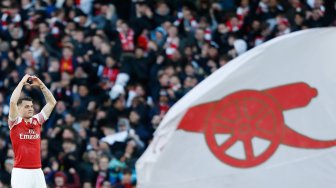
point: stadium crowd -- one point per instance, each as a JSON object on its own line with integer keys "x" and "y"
{"x": 117, "y": 66}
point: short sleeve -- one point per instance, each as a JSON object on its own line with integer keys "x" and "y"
{"x": 41, "y": 117}
{"x": 13, "y": 122}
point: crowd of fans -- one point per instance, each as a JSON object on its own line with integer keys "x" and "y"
{"x": 117, "y": 66}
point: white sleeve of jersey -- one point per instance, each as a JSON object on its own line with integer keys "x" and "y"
{"x": 41, "y": 117}
{"x": 13, "y": 122}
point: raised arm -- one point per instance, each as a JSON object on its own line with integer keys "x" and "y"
{"x": 51, "y": 101}
{"x": 13, "y": 109}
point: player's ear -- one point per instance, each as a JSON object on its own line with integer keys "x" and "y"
{"x": 19, "y": 106}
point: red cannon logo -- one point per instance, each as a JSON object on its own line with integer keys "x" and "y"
{"x": 250, "y": 114}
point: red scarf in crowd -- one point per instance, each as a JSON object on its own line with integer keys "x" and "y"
{"x": 110, "y": 73}
{"x": 127, "y": 41}
{"x": 171, "y": 48}
{"x": 67, "y": 66}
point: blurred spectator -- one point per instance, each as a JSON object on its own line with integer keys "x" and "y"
{"x": 172, "y": 42}
{"x": 126, "y": 36}
{"x": 68, "y": 63}
{"x": 5, "y": 173}
{"x": 162, "y": 13}
{"x": 61, "y": 179}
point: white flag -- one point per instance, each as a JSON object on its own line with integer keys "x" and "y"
{"x": 265, "y": 120}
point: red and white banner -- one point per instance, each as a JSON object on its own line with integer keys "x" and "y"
{"x": 266, "y": 119}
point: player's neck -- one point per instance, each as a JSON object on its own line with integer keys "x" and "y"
{"x": 26, "y": 119}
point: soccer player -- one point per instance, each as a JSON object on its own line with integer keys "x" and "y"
{"x": 25, "y": 130}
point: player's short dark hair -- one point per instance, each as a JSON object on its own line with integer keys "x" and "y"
{"x": 24, "y": 99}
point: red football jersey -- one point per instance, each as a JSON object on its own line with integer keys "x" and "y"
{"x": 26, "y": 140}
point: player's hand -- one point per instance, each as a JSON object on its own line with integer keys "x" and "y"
{"x": 25, "y": 79}
{"x": 35, "y": 81}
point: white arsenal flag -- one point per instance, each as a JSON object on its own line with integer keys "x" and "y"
{"x": 265, "y": 120}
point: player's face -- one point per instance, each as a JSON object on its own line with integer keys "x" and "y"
{"x": 26, "y": 109}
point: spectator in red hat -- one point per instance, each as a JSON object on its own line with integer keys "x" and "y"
{"x": 61, "y": 179}
{"x": 283, "y": 26}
